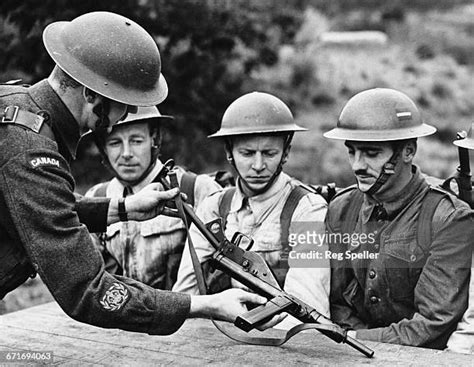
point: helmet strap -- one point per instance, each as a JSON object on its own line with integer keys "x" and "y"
{"x": 102, "y": 110}
{"x": 388, "y": 169}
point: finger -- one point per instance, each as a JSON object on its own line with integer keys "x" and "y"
{"x": 275, "y": 320}
{"x": 170, "y": 212}
{"x": 169, "y": 194}
{"x": 184, "y": 196}
{"x": 252, "y": 298}
{"x": 155, "y": 186}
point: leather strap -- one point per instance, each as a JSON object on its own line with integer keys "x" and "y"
{"x": 122, "y": 211}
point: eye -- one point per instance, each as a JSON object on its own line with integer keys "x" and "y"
{"x": 372, "y": 153}
{"x": 136, "y": 141}
{"x": 270, "y": 153}
{"x": 350, "y": 151}
{"x": 113, "y": 143}
{"x": 246, "y": 153}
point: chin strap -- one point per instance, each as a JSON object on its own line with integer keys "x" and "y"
{"x": 388, "y": 169}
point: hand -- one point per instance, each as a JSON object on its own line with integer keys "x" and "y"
{"x": 146, "y": 204}
{"x": 228, "y": 305}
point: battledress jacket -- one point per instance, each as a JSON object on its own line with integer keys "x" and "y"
{"x": 395, "y": 291}
{"x": 39, "y": 216}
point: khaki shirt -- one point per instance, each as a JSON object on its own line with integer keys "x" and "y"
{"x": 259, "y": 218}
{"x": 149, "y": 251}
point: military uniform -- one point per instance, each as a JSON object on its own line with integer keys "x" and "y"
{"x": 406, "y": 294}
{"x": 149, "y": 251}
{"x": 41, "y": 226}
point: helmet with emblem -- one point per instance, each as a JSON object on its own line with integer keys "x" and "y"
{"x": 380, "y": 114}
{"x": 257, "y": 113}
{"x": 466, "y": 140}
{"x": 109, "y": 54}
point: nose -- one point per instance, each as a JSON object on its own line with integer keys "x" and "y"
{"x": 258, "y": 162}
{"x": 126, "y": 150}
{"x": 358, "y": 162}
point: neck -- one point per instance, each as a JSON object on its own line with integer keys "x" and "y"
{"x": 72, "y": 99}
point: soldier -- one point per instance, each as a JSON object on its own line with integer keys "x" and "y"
{"x": 149, "y": 251}
{"x": 257, "y": 129}
{"x": 462, "y": 340}
{"x": 407, "y": 282}
{"x": 104, "y": 64}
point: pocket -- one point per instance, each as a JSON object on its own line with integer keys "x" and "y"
{"x": 160, "y": 225}
{"x": 403, "y": 262}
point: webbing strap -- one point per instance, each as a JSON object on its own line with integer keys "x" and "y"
{"x": 425, "y": 219}
{"x": 352, "y": 212}
{"x": 224, "y": 205}
{"x": 188, "y": 181}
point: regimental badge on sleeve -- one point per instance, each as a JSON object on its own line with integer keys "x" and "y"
{"x": 115, "y": 297}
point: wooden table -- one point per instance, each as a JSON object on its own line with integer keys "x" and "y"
{"x": 47, "y": 328}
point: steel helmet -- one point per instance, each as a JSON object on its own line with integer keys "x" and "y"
{"x": 143, "y": 114}
{"x": 380, "y": 114}
{"x": 109, "y": 54}
{"x": 256, "y": 113}
{"x": 468, "y": 141}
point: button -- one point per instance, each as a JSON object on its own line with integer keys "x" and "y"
{"x": 374, "y": 299}
{"x": 372, "y": 274}
{"x": 413, "y": 258}
{"x": 35, "y": 266}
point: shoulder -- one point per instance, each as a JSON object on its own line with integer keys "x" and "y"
{"x": 209, "y": 206}
{"x": 449, "y": 207}
{"x": 97, "y": 190}
{"x": 205, "y": 182}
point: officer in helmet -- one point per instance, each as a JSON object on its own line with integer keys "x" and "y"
{"x": 462, "y": 340}
{"x": 105, "y": 63}
{"x": 149, "y": 251}
{"x": 403, "y": 277}
{"x": 257, "y": 129}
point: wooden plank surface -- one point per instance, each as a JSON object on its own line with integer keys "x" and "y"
{"x": 47, "y": 328}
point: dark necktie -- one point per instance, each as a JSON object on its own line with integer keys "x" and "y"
{"x": 127, "y": 190}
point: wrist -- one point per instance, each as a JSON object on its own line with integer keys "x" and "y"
{"x": 201, "y": 306}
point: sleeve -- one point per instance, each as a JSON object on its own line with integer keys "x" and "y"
{"x": 186, "y": 281}
{"x": 462, "y": 340}
{"x": 441, "y": 293}
{"x": 92, "y": 212}
{"x": 344, "y": 285}
{"x": 309, "y": 280}
{"x": 38, "y": 191}
{"x": 204, "y": 187}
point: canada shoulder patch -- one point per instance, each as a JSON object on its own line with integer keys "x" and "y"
{"x": 44, "y": 161}
{"x": 115, "y": 297}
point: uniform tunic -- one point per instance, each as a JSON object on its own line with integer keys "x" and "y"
{"x": 149, "y": 251}
{"x": 39, "y": 218}
{"x": 407, "y": 294}
{"x": 259, "y": 218}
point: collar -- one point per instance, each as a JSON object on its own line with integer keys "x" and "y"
{"x": 65, "y": 127}
{"x": 260, "y": 203}
{"x": 393, "y": 205}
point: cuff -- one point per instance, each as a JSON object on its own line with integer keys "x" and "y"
{"x": 171, "y": 314}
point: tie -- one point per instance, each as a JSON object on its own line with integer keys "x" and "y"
{"x": 127, "y": 190}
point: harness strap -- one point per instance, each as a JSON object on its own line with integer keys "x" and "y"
{"x": 188, "y": 181}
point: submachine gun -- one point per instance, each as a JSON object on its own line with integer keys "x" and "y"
{"x": 250, "y": 269}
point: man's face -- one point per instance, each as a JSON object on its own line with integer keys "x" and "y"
{"x": 128, "y": 149}
{"x": 257, "y": 158}
{"x": 367, "y": 160}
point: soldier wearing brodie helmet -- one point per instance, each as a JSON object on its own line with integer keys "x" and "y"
{"x": 408, "y": 285}
{"x": 265, "y": 204}
{"x": 105, "y": 63}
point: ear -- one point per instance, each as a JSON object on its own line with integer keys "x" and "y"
{"x": 409, "y": 151}
{"x": 90, "y": 96}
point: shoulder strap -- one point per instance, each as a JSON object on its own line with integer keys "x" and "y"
{"x": 291, "y": 203}
{"x": 224, "y": 205}
{"x": 425, "y": 219}
{"x": 188, "y": 181}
